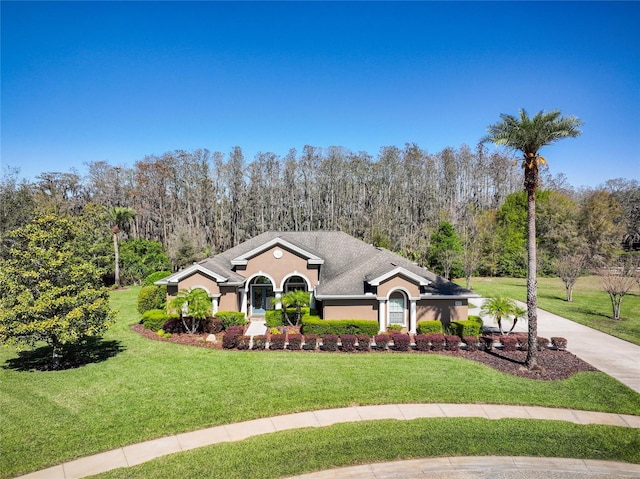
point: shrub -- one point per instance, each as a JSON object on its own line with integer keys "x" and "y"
{"x": 259, "y": 341}
{"x": 394, "y": 328}
{"x": 509, "y": 343}
{"x": 277, "y": 341}
{"x": 401, "y": 342}
{"x": 381, "y": 340}
{"x": 231, "y": 318}
{"x": 295, "y": 341}
{"x": 273, "y": 318}
{"x": 174, "y": 326}
{"x": 452, "y": 342}
{"x": 427, "y": 327}
{"x": 310, "y": 341}
{"x": 154, "y": 319}
{"x": 348, "y": 342}
{"x": 212, "y": 325}
{"x": 476, "y": 319}
{"x": 315, "y": 325}
{"x": 487, "y": 342}
{"x": 465, "y": 328}
{"x": 559, "y": 343}
{"x": 230, "y": 339}
{"x": 163, "y": 334}
{"x": 329, "y": 342}
{"x": 523, "y": 341}
{"x": 437, "y": 341}
{"x": 471, "y": 342}
{"x": 542, "y": 343}
{"x": 239, "y": 330}
{"x": 157, "y": 276}
{"x": 422, "y": 342}
{"x": 151, "y": 297}
{"x": 243, "y": 342}
{"x": 364, "y": 342}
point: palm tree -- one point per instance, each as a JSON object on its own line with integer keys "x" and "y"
{"x": 518, "y": 313}
{"x": 499, "y": 307}
{"x": 119, "y": 216}
{"x": 528, "y": 135}
{"x": 297, "y": 299}
{"x": 195, "y": 304}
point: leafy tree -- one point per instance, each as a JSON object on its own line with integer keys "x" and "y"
{"x": 528, "y": 136}
{"x": 119, "y": 216}
{"x": 569, "y": 268}
{"x": 511, "y": 233}
{"x": 195, "y": 305}
{"x": 16, "y": 200}
{"x": 617, "y": 281}
{"x": 445, "y": 250}
{"x": 295, "y": 299}
{"x": 140, "y": 258}
{"x": 500, "y": 308}
{"x": 601, "y": 226}
{"x": 49, "y": 291}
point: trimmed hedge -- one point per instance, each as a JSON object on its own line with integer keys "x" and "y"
{"x": 437, "y": 341}
{"x": 244, "y": 341}
{"x": 151, "y": 297}
{"x": 315, "y": 325}
{"x": 422, "y": 342}
{"x": 487, "y": 343}
{"x": 273, "y": 317}
{"x": 212, "y": 325}
{"x": 295, "y": 341}
{"x": 259, "y": 341}
{"x": 401, "y": 342}
{"x": 472, "y": 343}
{"x": 154, "y": 319}
{"x": 231, "y": 318}
{"x": 466, "y": 328}
{"x": 509, "y": 343}
{"x": 382, "y": 340}
{"x": 277, "y": 341}
{"x": 330, "y": 342}
{"x": 310, "y": 342}
{"x": 543, "y": 343}
{"x": 364, "y": 342}
{"x": 230, "y": 339}
{"x": 559, "y": 343}
{"x": 427, "y": 327}
{"x": 157, "y": 276}
{"x": 452, "y": 342}
{"x": 348, "y": 342}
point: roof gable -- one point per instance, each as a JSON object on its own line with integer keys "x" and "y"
{"x": 398, "y": 271}
{"x": 175, "y": 278}
{"x": 243, "y": 259}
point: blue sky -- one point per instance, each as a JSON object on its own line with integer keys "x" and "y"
{"x": 115, "y": 81}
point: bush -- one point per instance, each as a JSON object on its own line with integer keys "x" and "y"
{"x": 472, "y": 342}
{"x": 277, "y": 341}
{"x": 273, "y": 318}
{"x": 427, "y": 327}
{"x": 295, "y": 341}
{"x": 212, "y": 325}
{"x": 231, "y": 318}
{"x": 230, "y": 339}
{"x": 161, "y": 333}
{"x": 542, "y": 343}
{"x": 154, "y": 319}
{"x": 394, "y": 328}
{"x": 487, "y": 342}
{"x": 559, "y": 343}
{"x": 348, "y": 342}
{"x": 259, "y": 341}
{"x": 381, "y": 340}
{"x": 157, "y": 276}
{"x": 437, "y": 341}
{"x": 151, "y": 297}
{"x": 452, "y": 342}
{"x": 364, "y": 342}
{"x": 239, "y": 330}
{"x": 523, "y": 340}
{"x": 244, "y": 342}
{"x": 329, "y": 342}
{"x": 466, "y": 328}
{"x": 315, "y": 325}
{"x": 174, "y": 326}
{"x": 509, "y": 343}
{"x": 422, "y": 342}
{"x": 310, "y": 341}
{"x": 401, "y": 342}
{"x": 476, "y": 319}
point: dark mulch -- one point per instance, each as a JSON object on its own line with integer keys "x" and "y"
{"x": 552, "y": 364}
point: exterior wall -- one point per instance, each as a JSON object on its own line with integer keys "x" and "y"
{"x": 278, "y": 268}
{"x": 398, "y": 281}
{"x": 198, "y": 279}
{"x": 229, "y": 299}
{"x": 350, "y": 309}
{"x": 444, "y": 310}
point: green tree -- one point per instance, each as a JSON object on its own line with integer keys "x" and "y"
{"x": 119, "y": 216}
{"x": 528, "y": 136}
{"x": 500, "y": 308}
{"x": 195, "y": 305}
{"x": 49, "y": 291}
{"x": 295, "y": 299}
{"x": 445, "y": 250}
{"x": 140, "y": 258}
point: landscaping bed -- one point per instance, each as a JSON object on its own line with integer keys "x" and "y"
{"x": 552, "y": 364}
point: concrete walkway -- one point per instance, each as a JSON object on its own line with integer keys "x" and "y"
{"x": 618, "y": 358}
{"x": 138, "y": 453}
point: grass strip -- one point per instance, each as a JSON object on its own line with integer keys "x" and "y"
{"x": 306, "y": 450}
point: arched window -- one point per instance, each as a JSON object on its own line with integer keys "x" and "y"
{"x": 397, "y": 308}
{"x": 295, "y": 283}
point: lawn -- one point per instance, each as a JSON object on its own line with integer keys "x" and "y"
{"x": 138, "y": 389}
{"x": 591, "y": 305}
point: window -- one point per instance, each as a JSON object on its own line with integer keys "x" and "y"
{"x": 396, "y": 309}
{"x": 295, "y": 283}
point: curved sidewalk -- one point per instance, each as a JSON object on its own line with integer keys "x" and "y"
{"x": 139, "y": 453}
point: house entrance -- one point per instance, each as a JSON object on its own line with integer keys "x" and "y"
{"x": 261, "y": 295}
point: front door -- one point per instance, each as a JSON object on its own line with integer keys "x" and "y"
{"x": 260, "y": 298}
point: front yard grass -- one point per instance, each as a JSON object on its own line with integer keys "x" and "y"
{"x": 151, "y": 389}
{"x": 591, "y": 305}
{"x": 295, "y": 452}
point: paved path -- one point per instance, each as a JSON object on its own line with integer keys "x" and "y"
{"x": 618, "y": 358}
{"x": 138, "y": 453}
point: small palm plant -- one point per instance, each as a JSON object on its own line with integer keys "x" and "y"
{"x": 500, "y": 308}
{"x": 295, "y": 299}
{"x": 195, "y": 304}
{"x": 518, "y": 313}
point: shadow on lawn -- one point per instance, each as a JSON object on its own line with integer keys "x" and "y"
{"x": 93, "y": 350}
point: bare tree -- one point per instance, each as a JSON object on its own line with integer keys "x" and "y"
{"x": 568, "y": 269}
{"x": 617, "y": 281}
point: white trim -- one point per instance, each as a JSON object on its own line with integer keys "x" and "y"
{"x": 449, "y": 296}
{"x": 401, "y": 271}
{"x": 176, "y": 277}
{"x": 346, "y": 296}
{"x": 243, "y": 259}
{"x": 404, "y": 307}
{"x": 296, "y": 273}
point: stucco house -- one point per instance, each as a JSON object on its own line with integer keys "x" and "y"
{"x": 347, "y": 279}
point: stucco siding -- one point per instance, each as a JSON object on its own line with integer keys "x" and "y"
{"x": 199, "y": 280}
{"x": 350, "y": 309}
{"x": 228, "y": 300}
{"x": 398, "y": 281}
{"x": 279, "y": 268}
{"x": 444, "y": 310}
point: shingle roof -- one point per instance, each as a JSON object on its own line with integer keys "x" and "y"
{"x": 348, "y": 262}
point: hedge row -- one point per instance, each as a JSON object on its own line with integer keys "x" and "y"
{"x": 315, "y": 325}
{"x": 273, "y": 317}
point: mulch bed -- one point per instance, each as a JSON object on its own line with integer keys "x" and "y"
{"x": 552, "y": 364}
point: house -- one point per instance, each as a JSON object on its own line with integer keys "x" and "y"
{"x": 347, "y": 279}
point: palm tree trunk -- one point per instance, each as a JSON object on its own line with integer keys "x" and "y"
{"x": 117, "y": 265}
{"x": 532, "y": 277}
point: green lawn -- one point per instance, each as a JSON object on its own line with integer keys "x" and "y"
{"x": 297, "y": 452}
{"x": 150, "y": 389}
{"x": 591, "y": 305}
